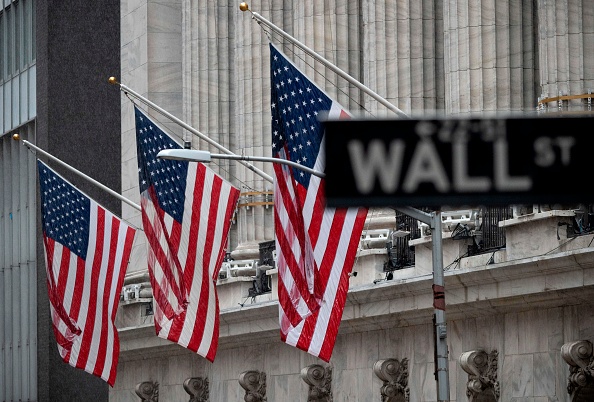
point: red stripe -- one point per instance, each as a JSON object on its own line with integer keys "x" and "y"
{"x": 127, "y": 249}
{"x": 288, "y": 294}
{"x": 160, "y": 255}
{"x": 101, "y": 355}
{"x": 339, "y": 301}
{"x": 321, "y": 281}
{"x": 62, "y": 277}
{"x": 188, "y": 276}
{"x": 335, "y": 234}
{"x": 231, "y": 204}
{"x": 154, "y": 230}
{"x": 123, "y": 264}
{"x": 318, "y": 212}
{"x": 295, "y": 264}
{"x": 78, "y": 289}
{"x": 55, "y": 299}
{"x": 205, "y": 294}
{"x": 324, "y": 272}
{"x": 232, "y": 200}
{"x": 286, "y": 304}
{"x": 92, "y": 303}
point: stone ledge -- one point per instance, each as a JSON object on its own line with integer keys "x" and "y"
{"x": 565, "y": 278}
{"x": 536, "y": 217}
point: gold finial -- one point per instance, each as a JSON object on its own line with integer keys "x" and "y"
{"x": 112, "y": 80}
{"x": 16, "y": 136}
{"x": 243, "y": 6}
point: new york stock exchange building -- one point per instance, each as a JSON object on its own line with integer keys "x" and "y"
{"x": 461, "y": 301}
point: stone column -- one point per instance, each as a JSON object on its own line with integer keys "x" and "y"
{"x": 489, "y": 56}
{"x": 403, "y": 54}
{"x": 565, "y": 43}
{"x": 151, "y": 64}
{"x": 323, "y": 27}
{"x": 252, "y": 134}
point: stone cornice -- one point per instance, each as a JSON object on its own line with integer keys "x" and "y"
{"x": 565, "y": 278}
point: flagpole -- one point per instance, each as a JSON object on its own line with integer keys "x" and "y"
{"x": 261, "y": 20}
{"x": 125, "y": 89}
{"x": 17, "y": 137}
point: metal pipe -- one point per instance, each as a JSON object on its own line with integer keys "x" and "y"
{"x": 215, "y": 144}
{"x": 196, "y": 155}
{"x": 261, "y": 20}
{"x": 78, "y": 172}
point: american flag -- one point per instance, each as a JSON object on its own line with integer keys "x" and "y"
{"x": 86, "y": 253}
{"x": 316, "y": 246}
{"x": 186, "y": 216}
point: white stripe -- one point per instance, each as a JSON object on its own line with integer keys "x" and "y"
{"x": 114, "y": 294}
{"x": 195, "y": 287}
{"x": 85, "y": 297}
{"x": 61, "y": 327}
{"x": 186, "y": 219}
{"x": 327, "y": 306}
{"x": 71, "y": 281}
{"x": 102, "y": 276}
{"x": 158, "y": 272}
{"x": 285, "y": 274}
{"x": 218, "y": 242}
{"x": 294, "y": 334}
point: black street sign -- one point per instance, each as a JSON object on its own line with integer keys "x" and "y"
{"x": 453, "y": 162}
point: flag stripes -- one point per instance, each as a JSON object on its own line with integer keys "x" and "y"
{"x": 186, "y": 215}
{"x": 83, "y": 292}
{"x": 316, "y": 246}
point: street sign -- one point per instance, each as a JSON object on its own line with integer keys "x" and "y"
{"x": 462, "y": 161}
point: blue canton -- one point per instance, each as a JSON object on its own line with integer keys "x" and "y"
{"x": 65, "y": 211}
{"x": 296, "y": 103}
{"x": 167, "y": 177}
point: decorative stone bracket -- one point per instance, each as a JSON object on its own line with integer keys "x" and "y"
{"x": 254, "y": 383}
{"x": 197, "y": 388}
{"x": 148, "y": 391}
{"x": 394, "y": 374}
{"x": 580, "y": 357}
{"x": 482, "y": 375}
{"x": 319, "y": 379}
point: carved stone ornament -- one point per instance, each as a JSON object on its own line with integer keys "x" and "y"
{"x": 580, "y": 357}
{"x": 394, "y": 374}
{"x": 481, "y": 367}
{"x": 197, "y": 388}
{"x": 319, "y": 379}
{"x": 254, "y": 383}
{"x": 148, "y": 391}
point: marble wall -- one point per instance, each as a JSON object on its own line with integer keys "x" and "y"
{"x": 530, "y": 366}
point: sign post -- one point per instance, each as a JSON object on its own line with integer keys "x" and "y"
{"x": 439, "y": 315}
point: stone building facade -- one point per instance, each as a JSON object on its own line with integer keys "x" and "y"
{"x": 520, "y": 322}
